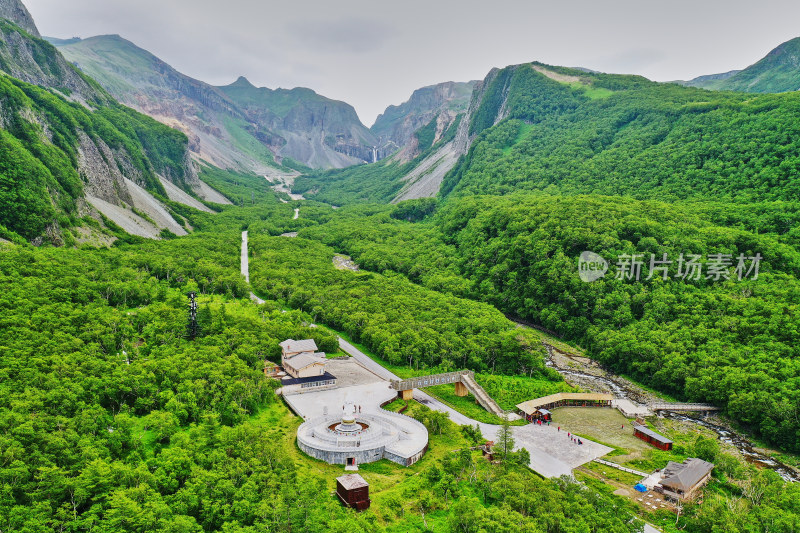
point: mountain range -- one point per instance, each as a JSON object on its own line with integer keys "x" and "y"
{"x": 126, "y": 170}
{"x": 777, "y": 72}
{"x": 236, "y": 126}
{"x": 245, "y": 127}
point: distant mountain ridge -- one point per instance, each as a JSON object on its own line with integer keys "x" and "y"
{"x": 235, "y": 126}
{"x": 303, "y": 125}
{"x": 777, "y": 72}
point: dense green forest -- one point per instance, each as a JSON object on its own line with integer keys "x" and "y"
{"x": 637, "y": 138}
{"x": 733, "y": 343}
{"x": 113, "y": 419}
{"x": 402, "y": 322}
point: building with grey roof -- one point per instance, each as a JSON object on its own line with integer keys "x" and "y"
{"x": 682, "y": 481}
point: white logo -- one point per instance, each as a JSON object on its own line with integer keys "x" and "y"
{"x": 591, "y": 267}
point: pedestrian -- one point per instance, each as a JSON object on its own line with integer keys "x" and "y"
{"x": 559, "y": 429}
{"x": 623, "y": 426}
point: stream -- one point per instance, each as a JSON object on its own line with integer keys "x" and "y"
{"x": 600, "y": 380}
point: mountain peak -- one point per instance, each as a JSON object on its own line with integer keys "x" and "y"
{"x": 242, "y": 82}
{"x": 15, "y": 11}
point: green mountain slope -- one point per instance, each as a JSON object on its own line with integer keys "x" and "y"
{"x": 777, "y": 72}
{"x": 70, "y": 151}
{"x": 537, "y": 127}
{"x": 561, "y": 130}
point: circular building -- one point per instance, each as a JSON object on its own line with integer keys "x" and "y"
{"x": 355, "y": 438}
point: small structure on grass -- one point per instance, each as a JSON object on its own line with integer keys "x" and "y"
{"x": 539, "y": 408}
{"x": 488, "y": 450}
{"x": 651, "y": 437}
{"x": 272, "y": 370}
{"x": 683, "y": 481}
{"x": 353, "y": 491}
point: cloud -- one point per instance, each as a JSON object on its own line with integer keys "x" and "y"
{"x": 631, "y": 61}
{"x": 354, "y": 35}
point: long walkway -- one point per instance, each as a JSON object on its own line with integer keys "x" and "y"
{"x": 246, "y": 267}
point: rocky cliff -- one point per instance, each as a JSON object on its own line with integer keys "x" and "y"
{"x": 319, "y": 132}
{"x": 397, "y": 125}
{"x": 17, "y": 13}
{"x": 35, "y": 61}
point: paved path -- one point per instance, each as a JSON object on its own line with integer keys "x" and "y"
{"x": 246, "y": 267}
{"x": 245, "y": 258}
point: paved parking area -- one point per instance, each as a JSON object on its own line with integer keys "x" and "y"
{"x": 349, "y": 373}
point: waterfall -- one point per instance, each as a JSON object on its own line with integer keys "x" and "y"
{"x": 374, "y": 154}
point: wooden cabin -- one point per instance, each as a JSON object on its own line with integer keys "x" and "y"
{"x": 353, "y": 491}
{"x": 651, "y": 437}
{"x": 684, "y": 481}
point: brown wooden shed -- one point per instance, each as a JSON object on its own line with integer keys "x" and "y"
{"x": 651, "y": 437}
{"x": 353, "y": 491}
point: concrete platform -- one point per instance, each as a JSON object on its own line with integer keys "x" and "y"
{"x": 552, "y": 452}
{"x": 314, "y": 404}
{"x": 630, "y": 409}
{"x": 349, "y": 373}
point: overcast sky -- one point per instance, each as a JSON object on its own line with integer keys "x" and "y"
{"x": 373, "y": 53}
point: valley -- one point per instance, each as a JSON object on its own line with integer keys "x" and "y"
{"x": 162, "y": 238}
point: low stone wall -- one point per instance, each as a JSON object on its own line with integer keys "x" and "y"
{"x": 340, "y": 457}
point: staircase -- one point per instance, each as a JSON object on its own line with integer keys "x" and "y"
{"x": 483, "y": 398}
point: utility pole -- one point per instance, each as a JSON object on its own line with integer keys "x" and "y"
{"x": 193, "y": 328}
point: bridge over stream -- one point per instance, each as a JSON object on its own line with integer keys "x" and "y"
{"x": 696, "y": 407}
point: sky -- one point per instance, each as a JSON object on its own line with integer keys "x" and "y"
{"x": 375, "y": 53}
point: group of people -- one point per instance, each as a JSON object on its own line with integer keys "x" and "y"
{"x": 572, "y": 438}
